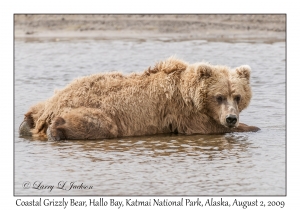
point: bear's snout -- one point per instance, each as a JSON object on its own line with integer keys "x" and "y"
{"x": 231, "y": 120}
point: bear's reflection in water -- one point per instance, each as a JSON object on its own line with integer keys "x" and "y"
{"x": 205, "y": 147}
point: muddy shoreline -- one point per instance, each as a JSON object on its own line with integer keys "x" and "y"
{"x": 257, "y": 28}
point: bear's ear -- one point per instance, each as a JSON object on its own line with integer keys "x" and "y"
{"x": 204, "y": 70}
{"x": 243, "y": 71}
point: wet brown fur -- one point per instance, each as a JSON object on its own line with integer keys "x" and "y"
{"x": 173, "y": 96}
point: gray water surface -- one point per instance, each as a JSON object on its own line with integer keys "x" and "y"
{"x": 231, "y": 164}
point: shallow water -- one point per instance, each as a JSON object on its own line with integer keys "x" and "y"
{"x": 231, "y": 164}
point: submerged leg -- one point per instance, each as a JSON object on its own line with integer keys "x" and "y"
{"x": 30, "y": 120}
{"x": 246, "y": 128}
{"x": 25, "y": 128}
{"x": 82, "y": 123}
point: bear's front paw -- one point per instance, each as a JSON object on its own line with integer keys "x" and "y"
{"x": 246, "y": 128}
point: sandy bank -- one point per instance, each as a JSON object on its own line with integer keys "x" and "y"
{"x": 267, "y": 28}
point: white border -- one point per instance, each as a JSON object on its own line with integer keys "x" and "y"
{"x": 8, "y": 8}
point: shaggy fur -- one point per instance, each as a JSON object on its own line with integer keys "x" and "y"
{"x": 173, "y": 96}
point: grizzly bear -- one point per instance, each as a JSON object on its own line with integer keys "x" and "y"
{"x": 171, "y": 97}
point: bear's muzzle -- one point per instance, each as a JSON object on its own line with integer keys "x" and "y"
{"x": 231, "y": 120}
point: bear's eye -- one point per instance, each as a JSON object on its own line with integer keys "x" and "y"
{"x": 219, "y": 99}
{"x": 237, "y": 98}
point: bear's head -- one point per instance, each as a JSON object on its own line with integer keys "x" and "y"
{"x": 218, "y": 92}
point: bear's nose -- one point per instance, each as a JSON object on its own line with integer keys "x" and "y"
{"x": 231, "y": 119}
